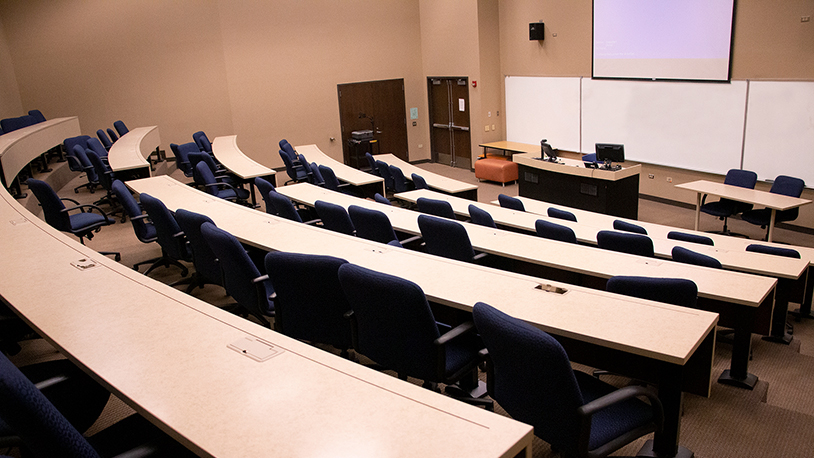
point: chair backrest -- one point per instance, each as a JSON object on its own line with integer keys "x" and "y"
{"x": 207, "y": 177}
{"x": 775, "y": 251}
{"x": 102, "y": 171}
{"x": 381, "y": 199}
{"x": 237, "y": 269}
{"x": 384, "y": 171}
{"x": 288, "y": 150}
{"x": 166, "y": 228}
{"x": 399, "y": 181}
{"x": 69, "y": 143}
{"x": 43, "y": 429}
{"x": 334, "y": 217}
{"x": 112, "y": 134}
{"x": 445, "y": 238}
{"x": 310, "y": 303}
{"x": 202, "y": 142}
{"x": 285, "y": 209}
{"x": 481, "y": 217}
{"x": 265, "y": 187}
{"x": 625, "y": 242}
{"x": 96, "y": 146}
{"x": 371, "y": 224}
{"x": 694, "y": 238}
{"x": 194, "y": 159}
{"x": 395, "y": 326}
{"x": 37, "y": 115}
{"x": 80, "y": 152}
{"x": 372, "y": 163}
{"x": 435, "y": 207}
{"x": 553, "y": 231}
{"x": 419, "y": 182}
{"x": 676, "y": 291}
{"x": 316, "y": 176}
{"x": 104, "y": 138}
{"x": 183, "y": 160}
{"x": 788, "y": 186}
{"x": 329, "y": 178}
{"x": 52, "y": 206}
{"x": 561, "y": 214}
{"x": 681, "y": 254}
{"x": 620, "y": 225}
{"x": 120, "y": 128}
{"x": 510, "y": 202}
{"x": 145, "y": 231}
{"x": 289, "y": 166}
{"x": 533, "y": 378}
{"x": 203, "y": 258}
{"x": 742, "y": 178}
{"x": 590, "y": 157}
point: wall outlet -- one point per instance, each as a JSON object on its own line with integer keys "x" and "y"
{"x": 651, "y": 176}
{"x": 669, "y": 180}
{"x": 420, "y": 145}
{"x": 486, "y": 128}
{"x": 805, "y": 18}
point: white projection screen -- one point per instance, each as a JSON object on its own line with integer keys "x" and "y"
{"x": 661, "y": 39}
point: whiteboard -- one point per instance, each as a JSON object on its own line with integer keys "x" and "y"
{"x": 695, "y": 126}
{"x": 780, "y": 130}
{"x": 538, "y": 108}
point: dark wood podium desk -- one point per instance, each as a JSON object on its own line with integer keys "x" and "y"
{"x": 673, "y": 349}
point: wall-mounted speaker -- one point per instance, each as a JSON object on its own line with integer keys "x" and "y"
{"x": 536, "y": 31}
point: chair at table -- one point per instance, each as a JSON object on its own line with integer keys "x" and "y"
{"x": 241, "y": 277}
{"x": 481, "y": 217}
{"x": 590, "y": 157}
{"x": 104, "y": 139}
{"x": 530, "y": 376}
{"x": 37, "y": 115}
{"x": 553, "y": 231}
{"x": 372, "y": 224}
{"x": 620, "y": 225}
{"x": 315, "y": 177}
{"x": 310, "y": 304}
{"x": 106, "y": 177}
{"x": 676, "y": 291}
{"x": 724, "y": 208}
{"x": 435, "y": 207}
{"x": 44, "y": 431}
{"x": 82, "y": 224}
{"x": 97, "y": 147}
{"x": 120, "y": 128}
{"x": 419, "y": 182}
{"x": 296, "y": 173}
{"x": 774, "y": 251}
{"x": 399, "y": 181}
{"x": 393, "y": 325}
{"x": 384, "y": 172}
{"x": 783, "y": 185}
{"x": 76, "y": 164}
{"x": 561, "y": 214}
{"x": 220, "y": 189}
{"x": 694, "y": 238}
{"x": 681, "y": 254}
{"x": 207, "y": 270}
{"x": 511, "y": 202}
{"x": 202, "y": 142}
{"x": 381, "y": 199}
{"x": 334, "y": 217}
{"x": 182, "y": 161}
{"x": 265, "y": 187}
{"x": 112, "y": 134}
{"x": 447, "y": 238}
{"x": 142, "y": 226}
{"x": 626, "y": 242}
{"x": 330, "y": 180}
{"x": 169, "y": 236}
{"x": 371, "y": 162}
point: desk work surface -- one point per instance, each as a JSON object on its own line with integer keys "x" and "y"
{"x": 133, "y": 148}
{"x": 672, "y": 335}
{"x": 344, "y": 172}
{"x": 156, "y": 347}
{"x": 575, "y": 167}
{"x": 229, "y": 154}
{"x": 752, "y": 196}
{"x": 726, "y": 286}
{"x": 19, "y": 147}
{"x": 586, "y": 229}
{"x": 433, "y": 180}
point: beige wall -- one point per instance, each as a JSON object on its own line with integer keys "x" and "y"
{"x": 10, "y": 103}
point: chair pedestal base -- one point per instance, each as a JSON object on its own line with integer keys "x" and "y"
{"x": 647, "y": 451}
{"x": 785, "y": 339}
{"x": 747, "y": 382}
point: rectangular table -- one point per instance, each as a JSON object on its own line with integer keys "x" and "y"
{"x": 227, "y": 153}
{"x": 597, "y": 328}
{"x": 769, "y": 200}
{"x": 434, "y": 181}
{"x": 128, "y": 157}
{"x": 367, "y": 183}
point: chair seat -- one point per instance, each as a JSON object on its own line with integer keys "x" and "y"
{"x": 460, "y": 350}
{"x": 761, "y": 217}
{"x": 721, "y": 208}
{"x": 496, "y": 170}
{"x": 236, "y": 193}
{"x": 86, "y": 220}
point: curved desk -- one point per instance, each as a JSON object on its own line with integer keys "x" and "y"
{"x": 129, "y": 156}
{"x": 19, "y": 147}
{"x": 227, "y": 153}
{"x": 438, "y": 182}
{"x": 368, "y": 183}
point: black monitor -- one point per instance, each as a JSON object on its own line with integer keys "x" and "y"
{"x": 546, "y": 152}
{"x": 609, "y": 152}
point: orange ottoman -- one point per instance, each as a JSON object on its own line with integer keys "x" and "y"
{"x": 496, "y": 170}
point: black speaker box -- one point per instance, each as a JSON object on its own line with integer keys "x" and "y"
{"x": 536, "y": 31}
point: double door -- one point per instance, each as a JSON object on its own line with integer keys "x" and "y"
{"x": 449, "y": 117}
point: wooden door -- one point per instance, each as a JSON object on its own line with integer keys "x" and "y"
{"x": 378, "y": 106}
{"x": 450, "y": 141}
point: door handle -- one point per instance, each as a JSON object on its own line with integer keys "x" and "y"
{"x": 443, "y": 126}
{"x": 463, "y": 128}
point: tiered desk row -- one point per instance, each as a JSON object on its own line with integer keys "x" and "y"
{"x": 434, "y": 181}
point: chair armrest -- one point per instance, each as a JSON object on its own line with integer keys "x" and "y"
{"x": 75, "y": 202}
{"x": 703, "y": 199}
{"x": 410, "y": 239}
{"x": 83, "y": 207}
{"x": 459, "y": 330}
{"x": 480, "y": 256}
{"x": 313, "y": 221}
{"x": 260, "y": 279}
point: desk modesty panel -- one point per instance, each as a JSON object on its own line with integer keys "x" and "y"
{"x": 19, "y": 147}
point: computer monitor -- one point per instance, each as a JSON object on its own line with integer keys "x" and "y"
{"x": 546, "y": 152}
{"x": 610, "y": 152}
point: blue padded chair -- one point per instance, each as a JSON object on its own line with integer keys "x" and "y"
{"x": 207, "y": 270}
{"x": 399, "y": 181}
{"x": 481, "y": 217}
{"x": 285, "y": 208}
{"x": 217, "y": 188}
{"x": 725, "y": 208}
{"x": 371, "y": 163}
{"x": 561, "y": 214}
{"x": 775, "y": 251}
{"x": 12, "y": 124}
{"x": 97, "y": 147}
{"x": 104, "y": 139}
{"x": 37, "y": 115}
{"x": 446, "y": 238}
{"x": 45, "y": 432}
{"x": 590, "y": 157}
{"x": 681, "y": 254}
{"x": 296, "y": 173}
{"x": 202, "y": 142}
{"x": 334, "y": 217}
{"x": 676, "y": 291}
{"x": 435, "y": 207}
{"x": 82, "y": 224}
{"x": 381, "y": 199}
{"x": 372, "y": 224}
{"x": 240, "y": 275}
{"x": 142, "y": 226}
{"x": 553, "y": 231}
{"x": 169, "y": 236}
{"x": 694, "y": 238}
{"x": 265, "y": 187}
{"x": 384, "y": 172}
{"x": 120, "y": 128}
{"x": 106, "y": 177}
{"x": 530, "y": 376}
{"x": 310, "y": 304}
{"x": 80, "y": 152}
{"x": 182, "y": 159}
{"x": 620, "y": 225}
{"x": 330, "y": 180}
{"x": 393, "y": 325}
{"x": 787, "y": 186}
{"x": 511, "y": 202}
{"x": 75, "y": 164}
{"x": 286, "y": 147}
{"x": 625, "y": 242}
{"x": 112, "y": 134}
{"x": 419, "y": 182}
{"x": 315, "y": 177}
